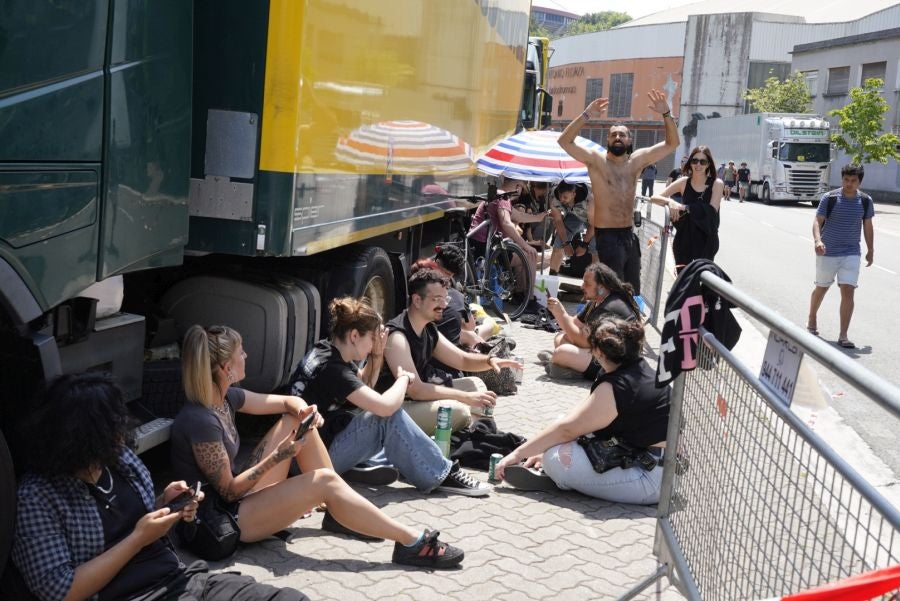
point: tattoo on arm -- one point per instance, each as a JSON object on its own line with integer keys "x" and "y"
{"x": 213, "y": 462}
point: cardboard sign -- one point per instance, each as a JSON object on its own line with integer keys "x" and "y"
{"x": 780, "y": 366}
{"x": 544, "y": 284}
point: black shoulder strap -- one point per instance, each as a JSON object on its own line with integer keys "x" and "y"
{"x": 866, "y": 203}
{"x": 832, "y": 198}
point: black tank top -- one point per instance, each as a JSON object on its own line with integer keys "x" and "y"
{"x": 691, "y": 196}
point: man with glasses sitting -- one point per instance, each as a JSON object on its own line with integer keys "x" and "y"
{"x": 413, "y": 339}
{"x": 613, "y": 176}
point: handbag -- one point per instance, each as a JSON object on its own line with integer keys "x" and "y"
{"x": 214, "y": 534}
{"x": 504, "y": 382}
{"x": 605, "y": 455}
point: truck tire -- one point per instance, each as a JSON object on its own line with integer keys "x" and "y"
{"x": 7, "y": 502}
{"x": 377, "y": 283}
{"x": 766, "y": 195}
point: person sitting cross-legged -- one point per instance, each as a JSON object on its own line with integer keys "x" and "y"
{"x": 88, "y": 523}
{"x": 605, "y": 294}
{"x": 414, "y": 339}
{"x": 360, "y": 423}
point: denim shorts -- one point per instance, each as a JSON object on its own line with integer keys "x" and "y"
{"x": 845, "y": 269}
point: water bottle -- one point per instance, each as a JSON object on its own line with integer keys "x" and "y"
{"x": 442, "y": 431}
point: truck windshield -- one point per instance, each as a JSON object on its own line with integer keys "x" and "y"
{"x": 804, "y": 153}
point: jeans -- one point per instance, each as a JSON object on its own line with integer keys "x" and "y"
{"x": 405, "y": 445}
{"x": 568, "y": 466}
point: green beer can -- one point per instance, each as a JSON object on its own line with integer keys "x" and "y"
{"x": 492, "y": 468}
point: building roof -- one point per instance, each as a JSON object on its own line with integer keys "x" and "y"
{"x": 850, "y": 40}
{"x": 809, "y": 11}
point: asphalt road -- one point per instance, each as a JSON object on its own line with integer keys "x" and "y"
{"x": 768, "y": 253}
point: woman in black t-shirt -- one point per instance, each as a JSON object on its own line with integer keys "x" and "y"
{"x": 624, "y": 404}
{"x": 204, "y": 436}
{"x": 377, "y": 421}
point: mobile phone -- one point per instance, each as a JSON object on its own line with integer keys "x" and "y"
{"x": 179, "y": 502}
{"x": 547, "y": 292}
{"x": 305, "y": 425}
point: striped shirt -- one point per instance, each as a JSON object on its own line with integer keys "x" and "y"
{"x": 842, "y": 228}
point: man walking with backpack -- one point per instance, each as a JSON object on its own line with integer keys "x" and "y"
{"x": 840, "y": 217}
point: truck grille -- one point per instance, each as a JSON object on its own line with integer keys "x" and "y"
{"x": 804, "y": 181}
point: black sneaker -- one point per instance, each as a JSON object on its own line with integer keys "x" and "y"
{"x": 527, "y": 478}
{"x": 430, "y": 553}
{"x": 329, "y": 524}
{"x": 374, "y": 475}
{"x": 460, "y": 482}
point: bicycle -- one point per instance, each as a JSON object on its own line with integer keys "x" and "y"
{"x": 500, "y": 279}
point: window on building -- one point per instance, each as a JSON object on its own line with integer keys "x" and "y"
{"x": 812, "y": 82}
{"x": 559, "y": 108}
{"x": 620, "y": 86}
{"x": 593, "y": 90}
{"x": 644, "y": 138}
{"x": 838, "y": 81}
{"x": 870, "y": 70}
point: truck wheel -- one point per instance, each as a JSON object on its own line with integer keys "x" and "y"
{"x": 7, "y": 502}
{"x": 766, "y": 196}
{"x": 377, "y": 283}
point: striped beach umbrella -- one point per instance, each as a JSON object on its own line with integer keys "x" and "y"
{"x": 536, "y": 156}
{"x": 405, "y": 148}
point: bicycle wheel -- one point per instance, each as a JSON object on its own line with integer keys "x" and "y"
{"x": 509, "y": 281}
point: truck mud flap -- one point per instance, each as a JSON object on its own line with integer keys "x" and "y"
{"x": 277, "y": 316}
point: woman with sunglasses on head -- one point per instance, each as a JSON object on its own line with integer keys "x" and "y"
{"x": 696, "y": 217}
{"x": 260, "y": 495}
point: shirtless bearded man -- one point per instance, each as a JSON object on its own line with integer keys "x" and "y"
{"x": 613, "y": 178}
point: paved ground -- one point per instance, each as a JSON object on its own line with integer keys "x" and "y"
{"x": 518, "y": 545}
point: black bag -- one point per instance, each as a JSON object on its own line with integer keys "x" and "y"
{"x": 214, "y": 534}
{"x": 605, "y": 455}
{"x": 474, "y": 446}
{"x": 503, "y": 383}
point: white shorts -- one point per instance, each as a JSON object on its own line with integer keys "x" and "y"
{"x": 846, "y": 269}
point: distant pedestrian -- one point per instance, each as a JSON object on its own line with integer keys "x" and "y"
{"x": 696, "y": 217}
{"x": 837, "y": 246}
{"x": 648, "y": 176}
{"x": 729, "y": 178}
{"x": 743, "y": 181}
{"x": 674, "y": 174}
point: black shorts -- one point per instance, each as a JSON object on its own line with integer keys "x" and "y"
{"x": 620, "y": 249}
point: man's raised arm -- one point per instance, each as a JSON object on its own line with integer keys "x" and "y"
{"x": 567, "y": 137}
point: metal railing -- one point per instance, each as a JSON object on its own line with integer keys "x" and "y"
{"x": 654, "y": 240}
{"x": 756, "y": 505}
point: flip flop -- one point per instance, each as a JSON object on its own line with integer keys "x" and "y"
{"x": 845, "y": 343}
{"x": 812, "y": 330}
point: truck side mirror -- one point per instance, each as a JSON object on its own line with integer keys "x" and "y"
{"x": 546, "y": 109}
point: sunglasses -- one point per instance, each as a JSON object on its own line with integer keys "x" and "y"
{"x": 696, "y": 161}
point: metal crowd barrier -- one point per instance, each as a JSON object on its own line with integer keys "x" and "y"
{"x": 654, "y": 240}
{"x": 756, "y": 505}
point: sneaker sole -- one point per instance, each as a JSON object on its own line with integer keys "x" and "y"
{"x": 525, "y": 478}
{"x": 482, "y": 491}
{"x": 428, "y": 562}
{"x": 376, "y": 476}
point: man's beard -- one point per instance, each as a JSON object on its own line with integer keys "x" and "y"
{"x": 618, "y": 149}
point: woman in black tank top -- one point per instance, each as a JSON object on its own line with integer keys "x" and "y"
{"x": 696, "y": 217}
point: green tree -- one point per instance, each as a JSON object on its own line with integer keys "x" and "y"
{"x": 537, "y": 30}
{"x": 861, "y": 121}
{"x": 598, "y": 22}
{"x": 776, "y": 96}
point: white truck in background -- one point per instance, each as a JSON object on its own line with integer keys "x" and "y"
{"x": 789, "y": 154}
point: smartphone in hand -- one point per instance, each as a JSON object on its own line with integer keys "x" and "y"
{"x": 179, "y": 502}
{"x": 305, "y": 425}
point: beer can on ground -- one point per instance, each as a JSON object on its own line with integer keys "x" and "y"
{"x": 443, "y": 430}
{"x": 492, "y": 468}
{"x": 520, "y": 371}
{"x": 487, "y": 411}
